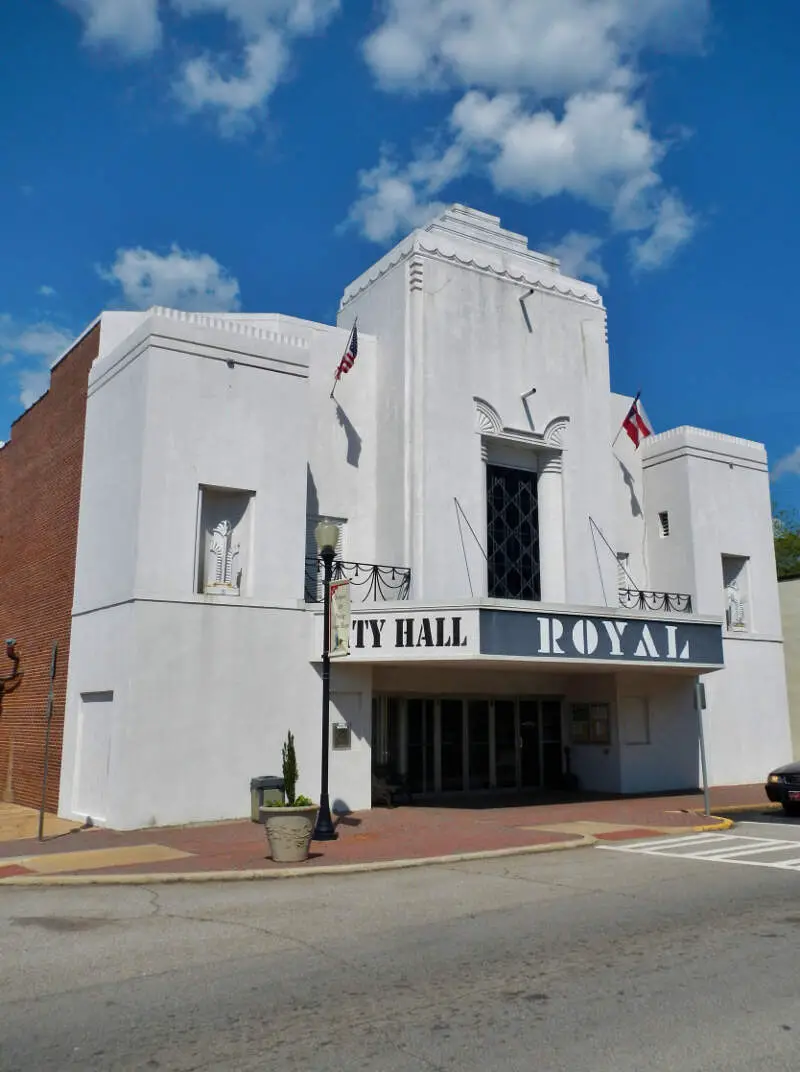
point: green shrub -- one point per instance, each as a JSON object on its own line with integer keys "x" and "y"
{"x": 290, "y": 771}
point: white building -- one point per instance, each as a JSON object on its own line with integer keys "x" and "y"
{"x": 548, "y": 586}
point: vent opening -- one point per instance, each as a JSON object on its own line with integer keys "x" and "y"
{"x": 663, "y": 523}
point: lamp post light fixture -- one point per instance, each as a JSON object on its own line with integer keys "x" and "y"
{"x": 327, "y": 537}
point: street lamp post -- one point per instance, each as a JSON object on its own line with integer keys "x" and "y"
{"x": 327, "y": 537}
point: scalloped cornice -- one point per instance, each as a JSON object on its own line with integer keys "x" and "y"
{"x": 484, "y": 262}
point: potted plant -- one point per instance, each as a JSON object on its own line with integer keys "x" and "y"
{"x": 289, "y": 826}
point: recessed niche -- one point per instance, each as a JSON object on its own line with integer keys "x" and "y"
{"x": 224, "y": 539}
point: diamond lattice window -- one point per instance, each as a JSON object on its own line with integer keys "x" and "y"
{"x": 513, "y": 533}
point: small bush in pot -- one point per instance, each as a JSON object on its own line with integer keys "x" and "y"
{"x": 290, "y": 826}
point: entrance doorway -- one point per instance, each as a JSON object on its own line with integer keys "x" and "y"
{"x": 458, "y": 744}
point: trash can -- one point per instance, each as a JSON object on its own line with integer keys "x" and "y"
{"x": 263, "y": 792}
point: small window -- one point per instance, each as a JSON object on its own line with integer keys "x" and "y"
{"x": 591, "y": 724}
{"x": 663, "y": 523}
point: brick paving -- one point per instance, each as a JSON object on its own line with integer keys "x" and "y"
{"x": 385, "y": 835}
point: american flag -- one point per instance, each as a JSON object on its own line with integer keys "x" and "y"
{"x": 350, "y": 354}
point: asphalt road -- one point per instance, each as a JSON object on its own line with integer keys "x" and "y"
{"x": 587, "y": 961}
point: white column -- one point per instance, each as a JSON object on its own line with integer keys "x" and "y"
{"x": 552, "y": 562}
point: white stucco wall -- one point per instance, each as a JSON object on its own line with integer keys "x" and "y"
{"x": 669, "y": 758}
{"x": 452, "y": 329}
{"x": 716, "y": 490}
{"x": 201, "y": 697}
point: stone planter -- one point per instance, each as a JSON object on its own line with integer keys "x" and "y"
{"x": 289, "y": 832}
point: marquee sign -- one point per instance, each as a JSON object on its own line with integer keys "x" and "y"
{"x": 441, "y": 633}
{"x": 599, "y": 638}
{"x": 470, "y": 632}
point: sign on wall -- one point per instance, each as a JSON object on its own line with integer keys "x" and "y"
{"x": 416, "y": 633}
{"x": 340, "y": 619}
{"x": 598, "y": 638}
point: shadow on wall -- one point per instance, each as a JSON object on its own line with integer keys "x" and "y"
{"x": 352, "y": 436}
{"x": 627, "y": 476}
{"x": 342, "y": 809}
{"x": 312, "y": 498}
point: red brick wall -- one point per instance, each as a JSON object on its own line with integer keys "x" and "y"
{"x": 40, "y": 486}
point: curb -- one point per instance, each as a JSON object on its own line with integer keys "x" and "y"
{"x": 162, "y": 878}
{"x": 718, "y": 824}
{"x": 768, "y": 806}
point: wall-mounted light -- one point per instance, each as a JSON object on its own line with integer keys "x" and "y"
{"x": 523, "y": 298}
{"x": 13, "y": 655}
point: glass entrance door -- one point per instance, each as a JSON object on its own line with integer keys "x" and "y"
{"x": 479, "y": 775}
{"x": 552, "y": 767}
{"x": 529, "y": 744}
{"x": 505, "y": 744}
{"x": 420, "y": 757}
{"x": 452, "y": 744}
{"x": 456, "y": 745}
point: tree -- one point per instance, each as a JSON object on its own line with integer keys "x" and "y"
{"x": 786, "y": 531}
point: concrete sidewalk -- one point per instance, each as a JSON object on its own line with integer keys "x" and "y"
{"x": 367, "y": 840}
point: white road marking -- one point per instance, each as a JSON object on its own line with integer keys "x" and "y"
{"x": 742, "y": 849}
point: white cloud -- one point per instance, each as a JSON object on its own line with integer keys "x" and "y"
{"x": 236, "y": 89}
{"x": 394, "y": 198}
{"x": 577, "y": 253}
{"x": 131, "y": 26}
{"x": 46, "y": 291}
{"x": 788, "y": 465}
{"x": 593, "y": 151}
{"x": 552, "y": 105}
{"x": 179, "y": 279}
{"x": 234, "y": 96}
{"x": 254, "y": 16}
{"x": 553, "y": 48}
{"x": 29, "y": 351}
{"x": 389, "y": 202}
{"x": 674, "y": 226}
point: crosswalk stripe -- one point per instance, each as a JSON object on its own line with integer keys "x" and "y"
{"x": 718, "y": 848}
{"x": 749, "y": 850}
{"x": 684, "y": 839}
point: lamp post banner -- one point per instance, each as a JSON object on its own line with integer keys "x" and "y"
{"x": 340, "y": 619}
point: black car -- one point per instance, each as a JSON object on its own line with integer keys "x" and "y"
{"x": 783, "y": 787}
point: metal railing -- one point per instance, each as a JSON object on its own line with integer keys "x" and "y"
{"x": 369, "y": 583}
{"x": 637, "y": 599}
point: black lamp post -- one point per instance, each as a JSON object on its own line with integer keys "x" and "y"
{"x": 327, "y": 537}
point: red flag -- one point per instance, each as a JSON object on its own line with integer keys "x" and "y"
{"x": 635, "y": 424}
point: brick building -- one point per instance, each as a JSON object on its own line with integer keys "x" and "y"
{"x": 40, "y": 487}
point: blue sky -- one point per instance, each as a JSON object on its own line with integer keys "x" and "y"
{"x": 259, "y": 154}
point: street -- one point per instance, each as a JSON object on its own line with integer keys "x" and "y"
{"x": 588, "y": 961}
